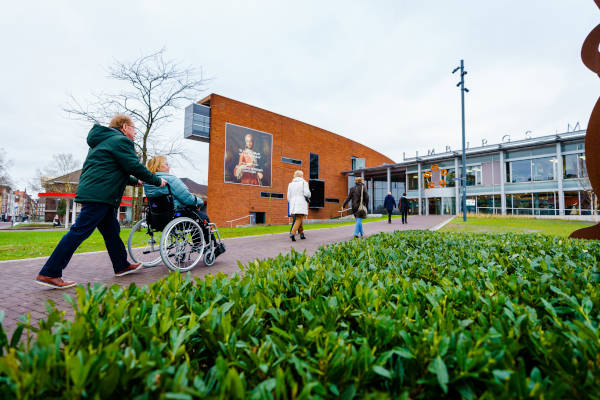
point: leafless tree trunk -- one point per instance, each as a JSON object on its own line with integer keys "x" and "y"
{"x": 5, "y": 164}
{"x": 153, "y": 89}
{"x": 591, "y": 198}
{"x": 62, "y": 164}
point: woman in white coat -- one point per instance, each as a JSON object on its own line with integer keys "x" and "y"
{"x": 297, "y": 194}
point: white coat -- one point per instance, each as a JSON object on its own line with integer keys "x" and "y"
{"x": 297, "y": 189}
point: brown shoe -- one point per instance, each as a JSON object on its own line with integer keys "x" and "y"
{"x": 55, "y": 283}
{"x": 129, "y": 269}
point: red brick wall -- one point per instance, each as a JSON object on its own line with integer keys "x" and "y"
{"x": 291, "y": 138}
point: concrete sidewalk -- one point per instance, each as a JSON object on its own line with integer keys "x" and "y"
{"x": 19, "y": 294}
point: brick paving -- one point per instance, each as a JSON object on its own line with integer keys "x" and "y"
{"x": 19, "y": 294}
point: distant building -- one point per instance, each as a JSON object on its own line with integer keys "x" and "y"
{"x": 23, "y": 205}
{"x": 196, "y": 188}
{"x": 65, "y": 187}
{"x": 7, "y": 203}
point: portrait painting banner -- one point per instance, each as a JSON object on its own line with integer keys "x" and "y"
{"x": 248, "y": 156}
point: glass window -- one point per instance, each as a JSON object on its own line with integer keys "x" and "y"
{"x": 413, "y": 181}
{"x": 314, "y": 166}
{"x": 474, "y": 175}
{"x": 450, "y": 177}
{"x": 570, "y": 166}
{"x": 522, "y": 200}
{"x": 288, "y": 160}
{"x": 571, "y": 203}
{"x": 582, "y": 166}
{"x": 543, "y": 168}
{"x": 520, "y": 171}
{"x": 358, "y": 163}
{"x": 544, "y": 203}
{"x": 485, "y": 204}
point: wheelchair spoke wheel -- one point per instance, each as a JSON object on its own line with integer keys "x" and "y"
{"x": 143, "y": 244}
{"x": 209, "y": 257}
{"x": 182, "y": 244}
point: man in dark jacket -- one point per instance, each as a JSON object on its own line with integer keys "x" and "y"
{"x": 403, "y": 206}
{"x": 389, "y": 203}
{"x": 106, "y": 171}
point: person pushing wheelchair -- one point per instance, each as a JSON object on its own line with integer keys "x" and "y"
{"x": 182, "y": 197}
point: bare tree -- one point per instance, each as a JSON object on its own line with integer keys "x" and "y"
{"x": 55, "y": 175}
{"x": 153, "y": 89}
{"x": 589, "y": 198}
{"x": 5, "y": 163}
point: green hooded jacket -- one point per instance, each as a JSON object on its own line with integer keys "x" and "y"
{"x": 108, "y": 167}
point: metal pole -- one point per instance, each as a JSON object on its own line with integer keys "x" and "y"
{"x": 463, "y": 176}
{"x": 464, "y": 153}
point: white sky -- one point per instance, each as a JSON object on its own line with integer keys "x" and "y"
{"x": 376, "y": 72}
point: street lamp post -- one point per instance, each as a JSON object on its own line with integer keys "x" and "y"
{"x": 463, "y": 177}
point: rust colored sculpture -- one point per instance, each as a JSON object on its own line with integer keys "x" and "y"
{"x": 591, "y": 59}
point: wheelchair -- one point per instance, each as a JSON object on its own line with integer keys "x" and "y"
{"x": 177, "y": 237}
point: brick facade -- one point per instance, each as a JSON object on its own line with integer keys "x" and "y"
{"x": 291, "y": 138}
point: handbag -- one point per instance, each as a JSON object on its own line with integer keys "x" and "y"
{"x": 361, "y": 208}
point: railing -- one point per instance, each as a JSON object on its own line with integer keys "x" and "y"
{"x": 237, "y": 219}
{"x": 343, "y": 211}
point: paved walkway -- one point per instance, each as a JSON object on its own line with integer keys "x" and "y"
{"x": 19, "y": 294}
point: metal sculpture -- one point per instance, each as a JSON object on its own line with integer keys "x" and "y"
{"x": 591, "y": 58}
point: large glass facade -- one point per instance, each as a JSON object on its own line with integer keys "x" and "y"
{"x": 397, "y": 187}
{"x": 530, "y": 177}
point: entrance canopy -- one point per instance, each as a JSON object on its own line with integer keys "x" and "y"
{"x": 377, "y": 172}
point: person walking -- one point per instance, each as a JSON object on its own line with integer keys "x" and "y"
{"x": 403, "y": 206}
{"x": 110, "y": 162}
{"x": 298, "y": 196}
{"x": 360, "y": 198}
{"x": 389, "y": 203}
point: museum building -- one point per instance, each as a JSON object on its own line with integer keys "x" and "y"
{"x": 253, "y": 154}
{"x": 535, "y": 176}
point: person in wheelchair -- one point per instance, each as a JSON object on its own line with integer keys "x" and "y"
{"x": 184, "y": 201}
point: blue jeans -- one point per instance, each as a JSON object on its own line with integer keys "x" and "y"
{"x": 358, "y": 227}
{"x": 92, "y": 216}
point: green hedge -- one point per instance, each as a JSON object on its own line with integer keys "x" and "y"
{"x": 405, "y": 315}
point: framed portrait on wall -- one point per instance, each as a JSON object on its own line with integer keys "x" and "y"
{"x": 248, "y": 156}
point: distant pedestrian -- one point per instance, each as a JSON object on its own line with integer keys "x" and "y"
{"x": 403, "y": 206}
{"x": 110, "y": 162}
{"x": 55, "y": 221}
{"x": 298, "y": 196}
{"x": 389, "y": 203}
{"x": 360, "y": 198}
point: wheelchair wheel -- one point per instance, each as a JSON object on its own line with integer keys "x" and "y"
{"x": 182, "y": 244}
{"x": 209, "y": 257}
{"x": 143, "y": 244}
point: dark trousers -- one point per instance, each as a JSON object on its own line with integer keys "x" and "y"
{"x": 92, "y": 216}
{"x": 203, "y": 220}
{"x": 389, "y": 216}
{"x": 404, "y": 216}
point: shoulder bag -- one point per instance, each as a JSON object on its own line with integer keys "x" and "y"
{"x": 361, "y": 208}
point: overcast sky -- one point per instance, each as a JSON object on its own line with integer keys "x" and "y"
{"x": 377, "y": 72}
